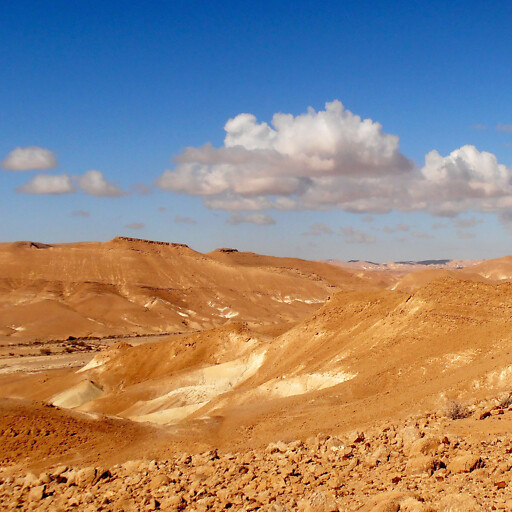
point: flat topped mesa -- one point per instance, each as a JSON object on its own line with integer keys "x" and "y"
{"x": 226, "y": 250}
{"x": 143, "y": 241}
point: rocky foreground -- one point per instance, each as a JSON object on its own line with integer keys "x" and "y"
{"x": 413, "y": 466}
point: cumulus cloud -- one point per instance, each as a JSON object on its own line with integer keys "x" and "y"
{"x": 80, "y": 213}
{"x": 29, "y": 159}
{"x": 135, "y": 225}
{"x": 184, "y": 220}
{"x": 318, "y": 228}
{"x": 283, "y": 159}
{"x": 48, "y": 184}
{"x": 94, "y": 183}
{"x": 258, "y": 218}
{"x": 335, "y": 159}
{"x": 356, "y": 236}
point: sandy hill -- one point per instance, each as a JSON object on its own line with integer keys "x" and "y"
{"x": 132, "y": 286}
{"x": 364, "y": 354}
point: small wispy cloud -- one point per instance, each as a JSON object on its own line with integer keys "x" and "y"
{"x": 368, "y": 218}
{"x": 504, "y": 127}
{"x": 397, "y": 228}
{"x": 317, "y": 229}
{"x": 141, "y": 189}
{"x": 135, "y": 225}
{"x": 258, "y": 218}
{"x": 80, "y": 213}
{"x": 356, "y": 236}
{"x": 478, "y": 126}
{"x": 184, "y": 220}
{"x": 467, "y": 223}
{"x": 465, "y": 235}
{"x": 421, "y": 234}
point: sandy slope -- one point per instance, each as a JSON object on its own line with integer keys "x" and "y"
{"x": 130, "y": 286}
{"x": 362, "y": 355}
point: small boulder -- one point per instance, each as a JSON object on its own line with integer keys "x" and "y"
{"x": 421, "y": 464}
{"x": 36, "y": 493}
{"x": 425, "y": 446}
{"x": 465, "y": 463}
{"x": 159, "y": 481}
{"x": 85, "y": 477}
{"x": 30, "y": 480}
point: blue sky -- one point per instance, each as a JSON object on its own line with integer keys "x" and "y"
{"x": 123, "y": 89}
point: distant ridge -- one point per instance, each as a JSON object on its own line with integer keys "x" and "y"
{"x": 405, "y": 265}
{"x": 144, "y": 241}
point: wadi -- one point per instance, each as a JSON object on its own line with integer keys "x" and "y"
{"x": 144, "y": 375}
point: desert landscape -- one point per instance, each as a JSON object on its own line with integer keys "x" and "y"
{"x": 143, "y": 375}
{"x": 255, "y": 256}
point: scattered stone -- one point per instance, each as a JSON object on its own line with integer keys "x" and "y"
{"x": 465, "y": 463}
{"x": 460, "y": 503}
{"x": 36, "y": 493}
{"x": 421, "y": 464}
{"x": 319, "y": 502}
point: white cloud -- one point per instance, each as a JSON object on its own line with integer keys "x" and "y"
{"x": 80, "y": 213}
{"x": 467, "y": 173}
{"x": 258, "y": 218}
{"x": 94, "y": 183}
{"x": 48, "y": 184}
{"x": 317, "y": 229}
{"x": 259, "y": 160}
{"x": 356, "y": 236}
{"x": 334, "y": 159}
{"x": 29, "y": 159}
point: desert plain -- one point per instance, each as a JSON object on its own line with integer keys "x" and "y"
{"x": 143, "y": 375}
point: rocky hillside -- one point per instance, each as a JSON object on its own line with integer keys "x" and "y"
{"x": 433, "y": 463}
